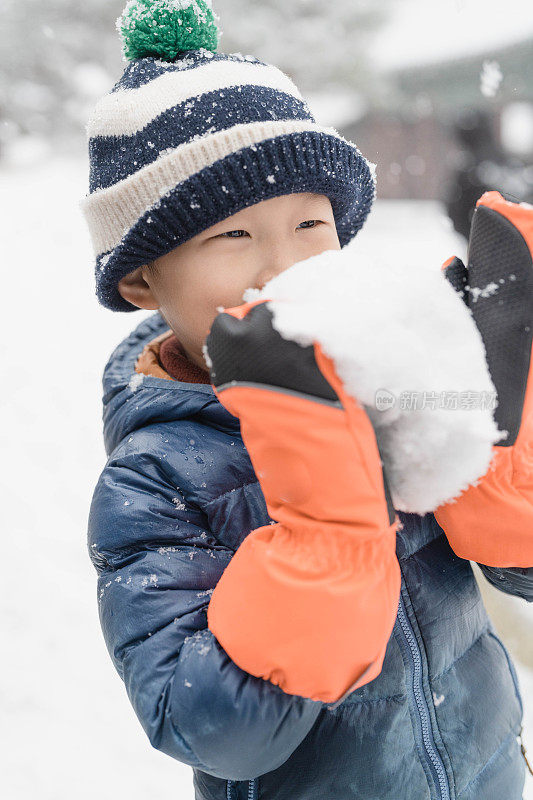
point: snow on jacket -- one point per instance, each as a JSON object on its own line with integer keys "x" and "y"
{"x": 175, "y": 500}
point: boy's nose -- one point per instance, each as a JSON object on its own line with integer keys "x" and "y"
{"x": 275, "y": 267}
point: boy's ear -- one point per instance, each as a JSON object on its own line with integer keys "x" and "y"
{"x": 135, "y": 290}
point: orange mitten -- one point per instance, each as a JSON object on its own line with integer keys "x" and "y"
{"x": 310, "y": 602}
{"x": 492, "y": 522}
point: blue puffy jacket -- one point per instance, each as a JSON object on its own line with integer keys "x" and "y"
{"x": 175, "y": 499}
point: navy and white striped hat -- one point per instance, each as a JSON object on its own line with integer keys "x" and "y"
{"x": 183, "y": 142}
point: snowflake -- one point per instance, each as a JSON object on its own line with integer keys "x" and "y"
{"x": 490, "y": 78}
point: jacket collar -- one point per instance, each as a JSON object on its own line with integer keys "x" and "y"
{"x": 133, "y": 399}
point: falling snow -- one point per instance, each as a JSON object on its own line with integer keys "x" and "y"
{"x": 490, "y": 78}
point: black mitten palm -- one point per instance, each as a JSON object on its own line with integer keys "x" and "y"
{"x": 492, "y": 522}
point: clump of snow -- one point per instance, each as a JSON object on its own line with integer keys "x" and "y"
{"x": 103, "y": 261}
{"x": 208, "y": 361}
{"x": 169, "y": 549}
{"x": 200, "y": 642}
{"x": 135, "y": 381}
{"x": 490, "y": 78}
{"x": 395, "y": 328}
{"x": 135, "y": 10}
{"x": 483, "y": 291}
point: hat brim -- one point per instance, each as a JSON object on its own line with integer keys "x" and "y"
{"x": 319, "y": 162}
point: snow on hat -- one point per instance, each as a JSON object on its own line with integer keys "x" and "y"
{"x": 189, "y": 136}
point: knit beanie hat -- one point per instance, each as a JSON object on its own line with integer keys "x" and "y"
{"x": 189, "y": 136}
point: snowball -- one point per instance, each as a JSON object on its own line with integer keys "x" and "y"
{"x": 397, "y": 331}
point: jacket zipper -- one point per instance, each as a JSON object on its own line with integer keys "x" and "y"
{"x": 524, "y": 751}
{"x": 434, "y": 760}
{"x": 252, "y": 790}
{"x": 431, "y": 753}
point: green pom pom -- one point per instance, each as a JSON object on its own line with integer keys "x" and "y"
{"x": 167, "y": 27}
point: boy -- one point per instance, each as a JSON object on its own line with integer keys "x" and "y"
{"x": 186, "y": 153}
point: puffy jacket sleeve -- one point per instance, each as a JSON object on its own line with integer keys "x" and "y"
{"x": 517, "y": 581}
{"x": 157, "y": 564}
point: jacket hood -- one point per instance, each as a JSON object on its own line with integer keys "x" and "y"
{"x": 132, "y": 400}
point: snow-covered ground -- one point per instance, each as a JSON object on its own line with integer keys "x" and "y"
{"x": 68, "y": 729}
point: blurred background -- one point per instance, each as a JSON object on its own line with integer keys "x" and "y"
{"x": 438, "y": 94}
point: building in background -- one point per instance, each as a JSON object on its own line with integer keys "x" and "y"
{"x": 450, "y": 129}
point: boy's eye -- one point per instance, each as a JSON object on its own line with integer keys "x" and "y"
{"x": 314, "y": 221}
{"x": 229, "y": 234}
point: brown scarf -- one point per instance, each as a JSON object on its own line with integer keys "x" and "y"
{"x": 164, "y": 357}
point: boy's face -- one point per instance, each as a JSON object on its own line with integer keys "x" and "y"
{"x": 215, "y": 267}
